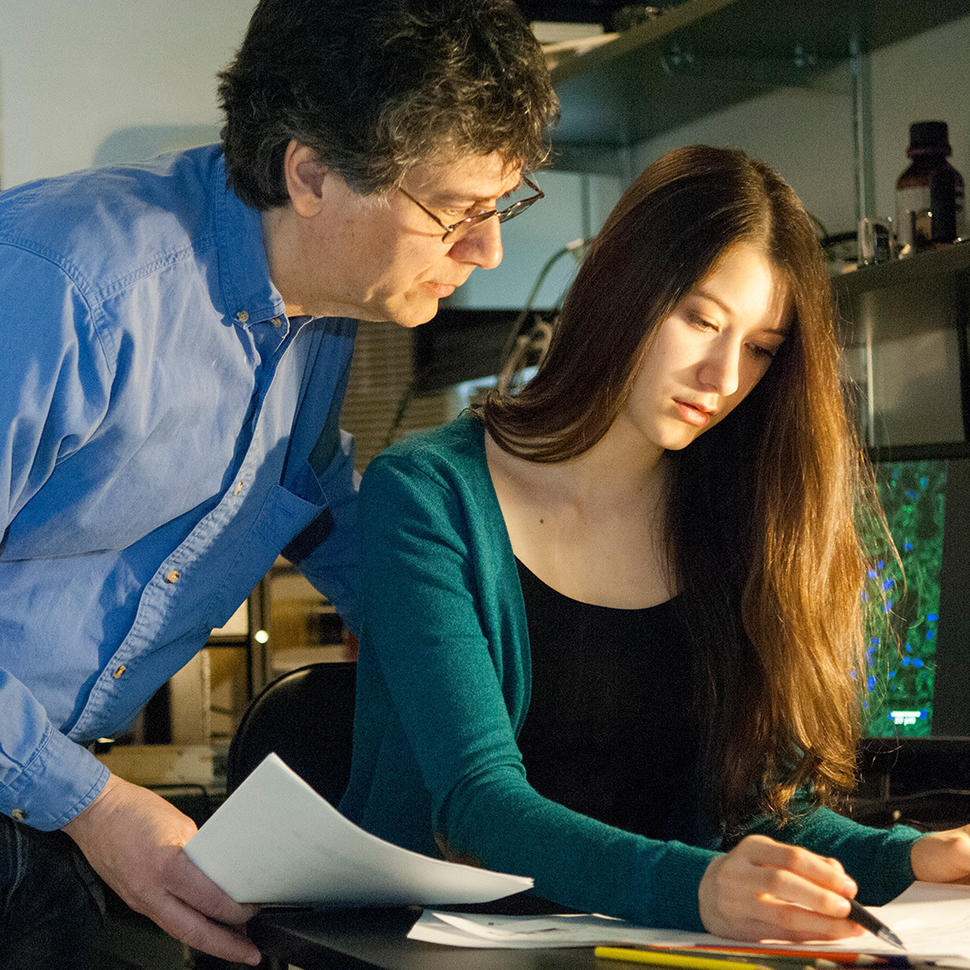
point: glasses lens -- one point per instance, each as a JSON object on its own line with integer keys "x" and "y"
{"x": 532, "y": 195}
{"x": 517, "y": 208}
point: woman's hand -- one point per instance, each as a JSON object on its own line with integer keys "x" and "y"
{"x": 765, "y": 889}
{"x": 942, "y": 856}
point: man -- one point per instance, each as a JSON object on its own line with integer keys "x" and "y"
{"x": 177, "y": 341}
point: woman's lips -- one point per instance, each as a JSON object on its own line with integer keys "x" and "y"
{"x": 694, "y": 414}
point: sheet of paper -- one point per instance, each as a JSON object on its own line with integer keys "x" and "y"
{"x": 275, "y": 840}
{"x": 932, "y": 920}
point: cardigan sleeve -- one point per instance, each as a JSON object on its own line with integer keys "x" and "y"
{"x": 424, "y": 624}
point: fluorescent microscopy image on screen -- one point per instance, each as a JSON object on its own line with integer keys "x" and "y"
{"x": 901, "y": 665}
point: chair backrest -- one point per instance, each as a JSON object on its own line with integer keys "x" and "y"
{"x": 306, "y": 716}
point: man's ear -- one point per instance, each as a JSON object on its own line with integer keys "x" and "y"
{"x": 305, "y": 175}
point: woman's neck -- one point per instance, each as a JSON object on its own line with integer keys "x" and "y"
{"x": 593, "y": 526}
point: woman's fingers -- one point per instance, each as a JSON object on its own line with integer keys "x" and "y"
{"x": 763, "y": 888}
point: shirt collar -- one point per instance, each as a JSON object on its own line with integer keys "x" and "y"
{"x": 249, "y": 294}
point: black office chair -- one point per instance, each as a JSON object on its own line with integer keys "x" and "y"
{"x": 306, "y": 716}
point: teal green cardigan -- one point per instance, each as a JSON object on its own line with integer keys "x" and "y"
{"x": 443, "y": 688}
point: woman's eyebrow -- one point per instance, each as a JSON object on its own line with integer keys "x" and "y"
{"x": 780, "y": 331}
{"x": 706, "y": 295}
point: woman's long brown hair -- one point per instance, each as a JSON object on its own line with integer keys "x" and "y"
{"x": 764, "y": 509}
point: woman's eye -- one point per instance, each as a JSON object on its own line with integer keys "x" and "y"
{"x": 767, "y": 353}
{"x": 702, "y": 322}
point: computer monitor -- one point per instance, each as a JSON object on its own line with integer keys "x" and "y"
{"x": 919, "y": 677}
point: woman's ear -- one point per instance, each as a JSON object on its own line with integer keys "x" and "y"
{"x": 305, "y": 177}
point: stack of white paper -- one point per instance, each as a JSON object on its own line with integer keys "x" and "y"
{"x": 275, "y": 840}
{"x": 933, "y": 921}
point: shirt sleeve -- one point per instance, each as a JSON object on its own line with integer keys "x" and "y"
{"x": 55, "y": 383}
{"x": 424, "y": 625}
{"x": 877, "y": 859}
{"x": 45, "y": 778}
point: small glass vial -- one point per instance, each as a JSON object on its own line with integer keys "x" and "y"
{"x": 929, "y": 194}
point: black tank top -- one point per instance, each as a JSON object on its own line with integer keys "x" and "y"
{"x": 611, "y": 729}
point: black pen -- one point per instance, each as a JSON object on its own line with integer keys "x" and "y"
{"x": 859, "y": 914}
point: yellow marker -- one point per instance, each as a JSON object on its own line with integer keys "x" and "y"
{"x": 659, "y": 958}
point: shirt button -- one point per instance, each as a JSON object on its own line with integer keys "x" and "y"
{"x": 18, "y": 814}
{"x": 119, "y": 672}
{"x": 242, "y": 316}
{"x": 172, "y": 576}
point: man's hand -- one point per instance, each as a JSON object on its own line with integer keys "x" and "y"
{"x": 767, "y": 889}
{"x": 133, "y": 840}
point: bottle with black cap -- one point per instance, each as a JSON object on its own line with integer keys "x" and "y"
{"x": 929, "y": 194}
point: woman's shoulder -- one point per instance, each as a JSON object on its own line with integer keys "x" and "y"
{"x": 459, "y": 444}
{"x": 439, "y": 469}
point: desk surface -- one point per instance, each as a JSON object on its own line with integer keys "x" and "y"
{"x": 377, "y": 938}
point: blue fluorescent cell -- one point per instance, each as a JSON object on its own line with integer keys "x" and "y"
{"x": 907, "y": 661}
{"x": 854, "y": 674}
{"x": 873, "y": 574}
{"x": 888, "y": 583}
{"x": 907, "y": 547}
{"x": 880, "y": 564}
{"x": 872, "y": 683}
{"x": 892, "y": 673}
{"x": 865, "y": 597}
{"x": 888, "y": 607}
{"x": 875, "y": 641}
{"x": 917, "y": 662}
{"x": 871, "y": 652}
{"x": 932, "y": 617}
{"x": 930, "y": 634}
{"x": 911, "y": 494}
{"x": 909, "y": 649}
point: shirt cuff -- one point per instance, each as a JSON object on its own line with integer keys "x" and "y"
{"x": 58, "y": 782}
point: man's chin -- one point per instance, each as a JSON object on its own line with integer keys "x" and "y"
{"x": 416, "y": 315}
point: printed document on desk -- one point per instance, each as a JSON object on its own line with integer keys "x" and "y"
{"x": 932, "y": 919}
{"x": 276, "y": 840}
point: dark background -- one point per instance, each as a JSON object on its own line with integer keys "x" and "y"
{"x": 602, "y": 12}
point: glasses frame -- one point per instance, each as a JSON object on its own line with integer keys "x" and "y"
{"x": 510, "y": 212}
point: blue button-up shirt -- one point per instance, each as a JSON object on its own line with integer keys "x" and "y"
{"x": 165, "y": 431}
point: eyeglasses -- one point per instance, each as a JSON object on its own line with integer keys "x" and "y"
{"x": 510, "y": 212}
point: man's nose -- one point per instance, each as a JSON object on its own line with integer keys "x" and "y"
{"x": 481, "y": 244}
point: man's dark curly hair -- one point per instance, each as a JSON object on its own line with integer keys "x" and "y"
{"x": 376, "y": 87}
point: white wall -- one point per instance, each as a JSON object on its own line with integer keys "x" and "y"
{"x": 807, "y": 133}
{"x": 109, "y": 80}
{"x": 924, "y": 79}
{"x": 574, "y": 208}
{"x": 98, "y": 81}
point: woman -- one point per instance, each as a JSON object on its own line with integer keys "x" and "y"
{"x": 611, "y": 622}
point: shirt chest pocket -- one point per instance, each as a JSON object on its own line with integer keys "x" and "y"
{"x": 249, "y": 554}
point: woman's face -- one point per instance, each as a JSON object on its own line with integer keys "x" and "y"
{"x": 706, "y": 357}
